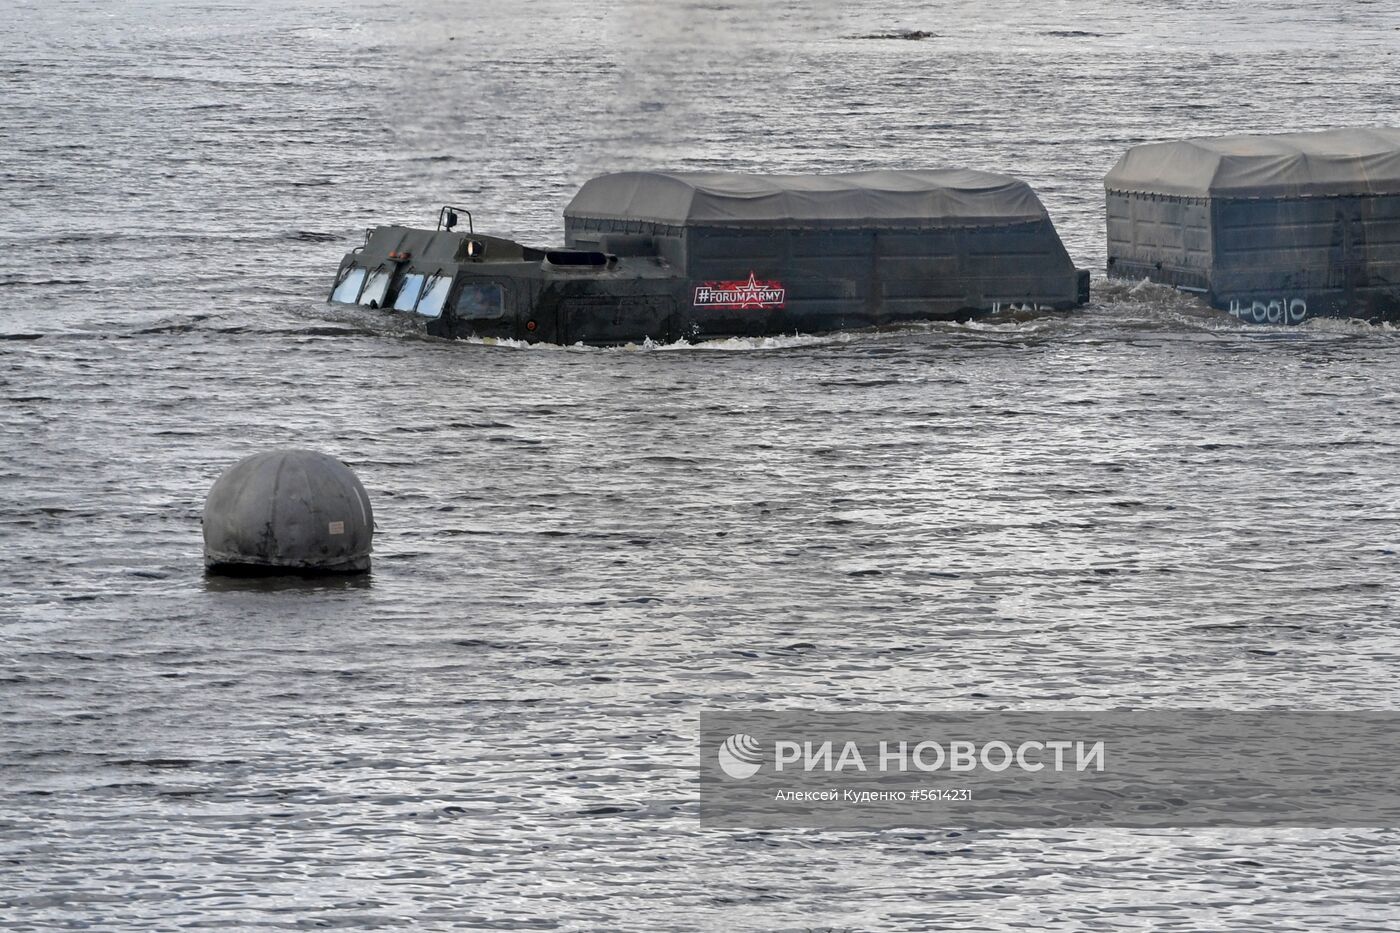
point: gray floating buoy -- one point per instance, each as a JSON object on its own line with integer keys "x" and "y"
{"x": 288, "y": 510}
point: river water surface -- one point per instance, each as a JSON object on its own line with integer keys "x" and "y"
{"x": 1143, "y": 504}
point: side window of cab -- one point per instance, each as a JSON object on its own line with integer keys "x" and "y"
{"x": 481, "y": 300}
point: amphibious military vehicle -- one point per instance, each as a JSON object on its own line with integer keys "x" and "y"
{"x": 1274, "y": 229}
{"x": 695, "y": 256}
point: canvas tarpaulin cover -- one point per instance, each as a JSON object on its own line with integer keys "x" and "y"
{"x": 1292, "y": 165}
{"x": 932, "y": 198}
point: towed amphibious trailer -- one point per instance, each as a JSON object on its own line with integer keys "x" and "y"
{"x": 1274, "y": 229}
{"x": 694, "y": 256}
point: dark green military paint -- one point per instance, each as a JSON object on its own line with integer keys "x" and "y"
{"x": 666, "y": 257}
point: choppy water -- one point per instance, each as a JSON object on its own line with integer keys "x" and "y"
{"x": 1139, "y": 505}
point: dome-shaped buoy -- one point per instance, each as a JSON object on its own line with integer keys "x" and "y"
{"x": 288, "y": 510}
